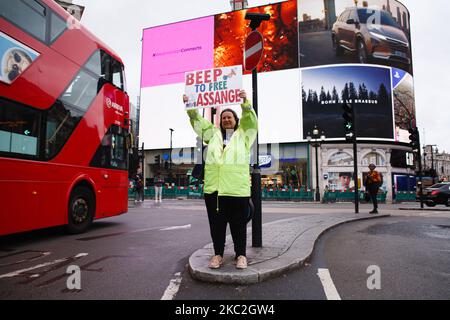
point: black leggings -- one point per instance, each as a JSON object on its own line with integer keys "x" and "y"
{"x": 373, "y": 197}
{"x": 231, "y": 210}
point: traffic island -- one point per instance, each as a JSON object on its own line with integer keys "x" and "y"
{"x": 288, "y": 244}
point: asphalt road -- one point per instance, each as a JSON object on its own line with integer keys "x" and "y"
{"x": 138, "y": 256}
{"x": 412, "y": 254}
{"x": 316, "y": 49}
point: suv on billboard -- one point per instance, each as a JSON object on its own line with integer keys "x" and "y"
{"x": 371, "y": 34}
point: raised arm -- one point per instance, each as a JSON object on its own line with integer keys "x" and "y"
{"x": 202, "y": 127}
{"x": 249, "y": 120}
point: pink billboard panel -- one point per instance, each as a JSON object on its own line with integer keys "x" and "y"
{"x": 172, "y": 50}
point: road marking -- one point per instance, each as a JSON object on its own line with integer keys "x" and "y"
{"x": 173, "y": 288}
{"x": 328, "y": 285}
{"x": 161, "y": 228}
{"x": 43, "y": 265}
{"x": 41, "y": 255}
{"x": 176, "y": 228}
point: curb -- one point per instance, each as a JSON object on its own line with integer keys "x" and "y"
{"x": 424, "y": 209}
{"x": 295, "y": 257}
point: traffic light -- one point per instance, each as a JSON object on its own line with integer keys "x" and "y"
{"x": 349, "y": 121}
{"x": 157, "y": 159}
{"x": 414, "y": 138}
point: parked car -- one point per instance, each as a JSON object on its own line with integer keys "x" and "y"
{"x": 371, "y": 34}
{"x": 437, "y": 194}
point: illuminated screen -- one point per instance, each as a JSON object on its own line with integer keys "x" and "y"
{"x": 337, "y": 31}
{"x": 367, "y": 88}
{"x": 172, "y": 50}
{"x": 313, "y": 61}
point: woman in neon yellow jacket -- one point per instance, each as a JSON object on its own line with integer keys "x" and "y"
{"x": 227, "y": 176}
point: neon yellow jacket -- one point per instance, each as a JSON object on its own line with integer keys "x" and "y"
{"x": 227, "y": 170}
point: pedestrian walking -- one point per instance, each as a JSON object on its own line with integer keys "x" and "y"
{"x": 227, "y": 177}
{"x": 138, "y": 188}
{"x": 158, "y": 188}
{"x": 373, "y": 182}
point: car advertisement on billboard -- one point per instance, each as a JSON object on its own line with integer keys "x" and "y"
{"x": 368, "y": 88}
{"x": 354, "y": 31}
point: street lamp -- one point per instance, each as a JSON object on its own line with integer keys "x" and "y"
{"x": 433, "y": 172}
{"x": 170, "y": 156}
{"x": 318, "y": 139}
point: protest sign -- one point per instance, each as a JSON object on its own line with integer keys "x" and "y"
{"x": 213, "y": 87}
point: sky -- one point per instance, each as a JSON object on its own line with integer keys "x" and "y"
{"x": 311, "y": 8}
{"x": 119, "y": 24}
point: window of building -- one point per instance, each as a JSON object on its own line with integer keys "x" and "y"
{"x": 374, "y": 158}
{"x": 340, "y": 159}
{"x": 19, "y": 130}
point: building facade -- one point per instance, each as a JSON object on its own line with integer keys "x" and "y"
{"x": 436, "y": 163}
{"x": 318, "y": 57}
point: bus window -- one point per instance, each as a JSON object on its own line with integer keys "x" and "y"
{"x": 94, "y": 64}
{"x": 19, "y": 130}
{"x": 118, "y": 160}
{"x": 116, "y": 73}
{"x": 81, "y": 91}
{"x": 113, "y": 151}
{"x": 28, "y": 15}
{"x": 60, "y": 124}
{"x": 58, "y": 26}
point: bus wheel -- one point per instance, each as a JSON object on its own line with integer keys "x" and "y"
{"x": 81, "y": 210}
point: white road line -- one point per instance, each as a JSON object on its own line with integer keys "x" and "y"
{"x": 44, "y": 254}
{"x": 173, "y": 288}
{"x": 176, "y": 228}
{"x": 328, "y": 285}
{"x": 43, "y": 265}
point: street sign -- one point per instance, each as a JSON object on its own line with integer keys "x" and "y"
{"x": 254, "y": 47}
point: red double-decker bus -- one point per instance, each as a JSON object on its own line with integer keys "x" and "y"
{"x": 64, "y": 122}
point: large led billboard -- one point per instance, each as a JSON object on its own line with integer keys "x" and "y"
{"x": 337, "y": 31}
{"x": 317, "y": 55}
{"x": 367, "y": 88}
{"x": 170, "y": 51}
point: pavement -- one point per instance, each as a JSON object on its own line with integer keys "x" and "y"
{"x": 287, "y": 245}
